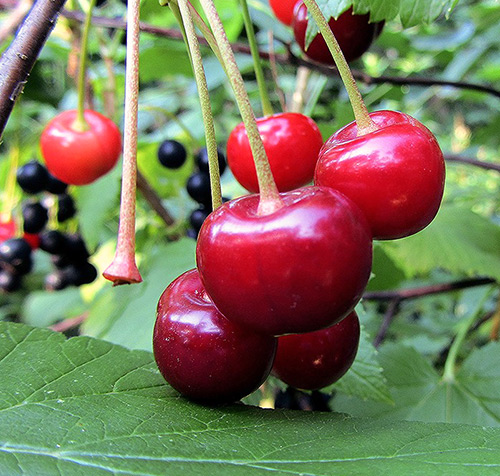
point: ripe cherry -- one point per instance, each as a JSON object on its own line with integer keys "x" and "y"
{"x": 292, "y": 142}
{"x": 354, "y": 34}
{"x": 200, "y": 353}
{"x": 80, "y": 157}
{"x": 283, "y": 9}
{"x": 395, "y": 175}
{"x": 7, "y": 229}
{"x": 298, "y": 269}
{"x": 316, "y": 359}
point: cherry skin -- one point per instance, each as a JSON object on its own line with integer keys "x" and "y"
{"x": 292, "y": 142}
{"x": 317, "y": 359}
{"x": 283, "y": 9}
{"x": 395, "y": 175}
{"x": 7, "y": 229}
{"x": 354, "y": 34}
{"x": 200, "y": 353}
{"x": 80, "y": 157}
{"x": 298, "y": 269}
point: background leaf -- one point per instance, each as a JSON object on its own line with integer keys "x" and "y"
{"x": 105, "y": 409}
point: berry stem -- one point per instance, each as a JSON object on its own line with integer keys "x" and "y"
{"x": 80, "y": 123}
{"x": 270, "y": 200}
{"x": 363, "y": 120}
{"x": 123, "y": 268}
{"x": 267, "y": 108}
{"x": 206, "y": 110}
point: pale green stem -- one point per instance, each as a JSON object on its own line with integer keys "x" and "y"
{"x": 206, "y": 110}
{"x": 363, "y": 120}
{"x": 270, "y": 200}
{"x": 267, "y": 108}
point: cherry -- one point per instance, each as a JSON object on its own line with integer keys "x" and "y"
{"x": 316, "y": 359}
{"x": 7, "y": 229}
{"x": 200, "y": 353}
{"x": 354, "y": 34}
{"x": 283, "y": 9}
{"x": 292, "y": 142}
{"x": 395, "y": 175}
{"x": 298, "y": 269}
{"x": 32, "y": 177}
{"x": 201, "y": 160}
{"x": 80, "y": 157}
{"x": 172, "y": 154}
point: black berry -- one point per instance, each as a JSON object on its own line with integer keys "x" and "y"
{"x": 197, "y": 217}
{"x": 32, "y": 177}
{"x": 171, "y": 154}
{"x": 191, "y": 233}
{"x": 9, "y": 282}
{"x": 198, "y": 188}
{"x": 56, "y": 186}
{"x": 76, "y": 249}
{"x": 53, "y": 242}
{"x": 35, "y": 217}
{"x": 201, "y": 160}
{"x": 15, "y": 256}
{"x": 65, "y": 207}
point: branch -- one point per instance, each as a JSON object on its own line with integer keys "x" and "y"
{"x": 153, "y": 199}
{"x": 403, "y": 294}
{"x": 17, "y": 61}
{"x": 389, "y": 316}
{"x": 474, "y": 162}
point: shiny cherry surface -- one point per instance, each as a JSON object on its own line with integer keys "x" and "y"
{"x": 354, "y": 34}
{"x": 298, "y": 269}
{"x": 395, "y": 175}
{"x": 292, "y": 142}
{"x": 80, "y": 157}
{"x": 200, "y": 353}
{"x": 283, "y": 9}
{"x": 316, "y": 359}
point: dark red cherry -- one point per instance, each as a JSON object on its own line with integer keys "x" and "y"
{"x": 316, "y": 359}
{"x": 292, "y": 142}
{"x": 298, "y": 269}
{"x": 200, "y": 353}
{"x": 395, "y": 175}
{"x": 354, "y": 34}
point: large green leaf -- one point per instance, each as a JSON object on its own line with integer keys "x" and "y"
{"x": 420, "y": 393}
{"x": 83, "y": 406}
{"x": 458, "y": 240}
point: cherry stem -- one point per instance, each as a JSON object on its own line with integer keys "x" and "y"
{"x": 270, "y": 199}
{"x": 80, "y": 124}
{"x": 267, "y": 108}
{"x": 206, "y": 110}
{"x": 363, "y": 120}
{"x": 123, "y": 268}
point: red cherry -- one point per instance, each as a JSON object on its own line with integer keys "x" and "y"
{"x": 33, "y": 239}
{"x": 283, "y": 9}
{"x": 7, "y": 229}
{"x": 316, "y": 359}
{"x": 395, "y": 174}
{"x": 354, "y": 34}
{"x": 200, "y": 353}
{"x": 80, "y": 157}
{"x": 292, "y": 142}
{"x": 298, "y": 269}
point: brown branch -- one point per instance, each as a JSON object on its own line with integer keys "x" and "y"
{"x": 17, "y": 61}
{"x": 153, "y": 199}
{"x": 476, "y": 163}
{"x": 403, "y": 294}
{"x": 390, "y": 314}
{"x": 69, "y": 323}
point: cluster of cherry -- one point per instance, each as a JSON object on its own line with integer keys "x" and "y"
{"x": 69, "y": 253}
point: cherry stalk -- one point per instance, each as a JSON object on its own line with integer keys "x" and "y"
{"x": 123, "y": 268}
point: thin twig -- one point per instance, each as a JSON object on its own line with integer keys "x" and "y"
{"x": 69, "y": 323}
{"x": 476, "y": 163}
{"x": 390, "y": 314}
{"x": 153, "y": 199}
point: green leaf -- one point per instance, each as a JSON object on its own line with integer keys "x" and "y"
{"x": 458, "y": 240}
{"x": 421, "y": 394}
{"x": 88, "y": 407}
{"x": 365, "y": 379}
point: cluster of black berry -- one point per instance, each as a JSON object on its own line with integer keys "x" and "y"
{"x": 69, "y": 252}
{"x": 172, "y": 155}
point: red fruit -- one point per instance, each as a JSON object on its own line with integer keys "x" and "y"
{"x": 7, "y": 229}
{"x": 292, "y": 142}
{"x": 395, "y": 174}
{"x": 80, "y": 157}
{"x": 316, "y": 359}
{"x": 33, "y": 239}
{"x": 354, "y": 34}
{"x": 283, "y": 9}
{"x": 298, "y": 269}
{"x": 202, "y": 354}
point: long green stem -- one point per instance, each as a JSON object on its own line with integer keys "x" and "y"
{"x": 80, "y": 123}
{"x": 451, "y": 359}
{"x": 270, "y": 200}
{"x": 267, "y": 108}
{"x": 363, "y": 120}
{"x": 206, "y": 110}
{"x": 123, "y": 269}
